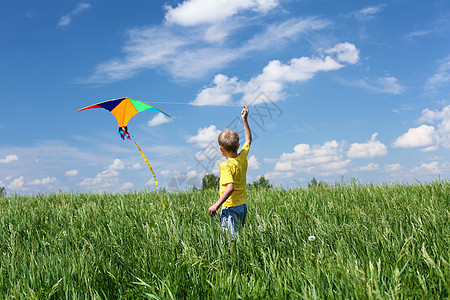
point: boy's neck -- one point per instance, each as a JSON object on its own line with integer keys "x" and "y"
{"x": 230, "y": 154}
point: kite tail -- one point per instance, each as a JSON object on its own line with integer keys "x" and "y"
{"x": 123, "y": 132}
{"x": 151, "y": 169}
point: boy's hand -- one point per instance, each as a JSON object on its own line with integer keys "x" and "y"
{"x": 228, "y": 191}
{"x": 244, "y": 113}
{"x": 212, "y": 210}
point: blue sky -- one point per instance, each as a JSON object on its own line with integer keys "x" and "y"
{"x": 336, "y": 89}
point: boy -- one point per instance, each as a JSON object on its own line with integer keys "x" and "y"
{"x": 233, "y": 178}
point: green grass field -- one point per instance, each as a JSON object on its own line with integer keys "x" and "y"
{"x": 372, "y": 242}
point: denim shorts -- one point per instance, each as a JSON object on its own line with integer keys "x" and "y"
{"x": 233, "y": 218}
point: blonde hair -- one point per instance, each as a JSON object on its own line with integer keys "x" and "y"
{"x": 229, "y": 140}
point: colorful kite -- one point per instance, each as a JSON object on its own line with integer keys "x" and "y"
{"x": 124, "y": 109}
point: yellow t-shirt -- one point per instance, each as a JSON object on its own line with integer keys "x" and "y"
{"x": 234, "y": 170}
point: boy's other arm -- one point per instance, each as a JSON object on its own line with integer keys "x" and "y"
{"x": 228, "y": 191}
{"x": 248, "y": 133}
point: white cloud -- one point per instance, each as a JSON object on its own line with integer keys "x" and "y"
{"x": 136, "y": 166}
{"x": 442, "y": 76}
{"x": 439, "y": 26}
{"x": 108, "y": 173}
{"x": 151, "y": 182}
{"x": 196, "y": 51}
{"x": 430, "y": 116}
{"x": 183, "y": 55}
{"x": 369, "y": 12}
{"x": 81, "y": 7}
{"x": 386, "y": 85}
{"x": 369, "y": 167}
{"x": 53, "y": 152}
{"x": 346, "y": 53}
{"x": 95, "y": 182}
{"x": 67, "y": 19}
{"x": 159, "y": 119}
{"x": 417, "y": 33}
{"x": 430, "y": 148}
{"x": 205, "y": 136}
{"x": 422, "y": 136}
{"x": 432, "y": 168}
{"x": 331, "y": 158}
{"x": 8, "y": 159}
{"x": 117, "y": 165}
{"x": 443, "y": 128}
{"x": 197, "y": 12}
{"x": 326, "y": 160}
{"x": 16, "y": 184}
{"x": 220, "y": 93}
{"x": 217, "y": 33}
{"x": 126, "y": 186}
{"x": 389, "y": 85}
{"x": 253, "y": 163}
{"x": 363, "y": 16}
{"x": 167, "y": 150}
{"x": 276, "y": 74}
{"x": 392, "y": 167}
{"x": 181, "y": 181}
{"x": 43, "y": 181}
{"x": 276, "y": 35}
{"x": 107, "y": 178}
{"x": 51, "y": 157}
{"x": 278, "y": 175}
{"x": 370, "y": 149}
{"x": 427, "y": 137}
{"x": 73, "y": 172}
{"x": 274, "y": 77}
{"x": 210, "y": 156}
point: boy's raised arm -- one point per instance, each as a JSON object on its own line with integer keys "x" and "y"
{"x": 248, "y": 133}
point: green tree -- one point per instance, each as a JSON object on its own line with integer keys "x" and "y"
{"x": 2, "y": 191}
{"x": 261, "y": 183}
{"x": 210, "y": 181}
{"x": 314, "y": 183}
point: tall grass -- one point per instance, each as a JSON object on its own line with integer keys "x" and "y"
{"x": 372, "y": 242}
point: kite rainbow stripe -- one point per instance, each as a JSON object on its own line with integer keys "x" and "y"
{"x": 124, "y": 109}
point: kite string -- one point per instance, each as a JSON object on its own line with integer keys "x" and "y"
{"x": 184, "y": 103}
{"x": 154, "y": 176}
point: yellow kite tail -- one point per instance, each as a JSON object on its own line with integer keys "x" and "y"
{"x": 154, "y": 176}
